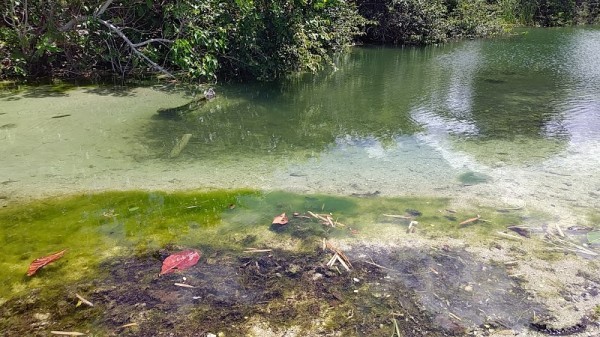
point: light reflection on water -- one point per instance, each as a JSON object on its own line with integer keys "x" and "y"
{"x": 398, "y": 121}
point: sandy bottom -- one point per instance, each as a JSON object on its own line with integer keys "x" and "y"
{"x": 89, "y": 140}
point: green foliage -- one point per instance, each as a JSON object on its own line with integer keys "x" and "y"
{"x": 475, "y": 18}
{"x": 270, "y": 39}
{"x": 405, "y": 21}
{"x": 424, "y": 22}
{"x": 245, "y": 39}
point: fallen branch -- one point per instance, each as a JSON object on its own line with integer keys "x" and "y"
{"x": 569, "y": 246}
{"x": 255, "y": 250}
{"x": 470, "y": 221}
{"x": 398, "y": 216}
{"x": 183, "y": 285}
{"x": 523, "y": 231}
{"x": 337, "y": 258}
{"x": 506, "y": 235}
{"x": 67, "y": 333}
{"x": 83, "y": 300}
{"x": 337, "y": 251}
{"x": 411, "y": 227}
{"x": 397, "y": 330}
{"x": 454, "y": 316}
{"x": 379, "y": 266}
{"x": 324, "y": 220}
{"x": 181, "y": 144}
{"x": 559, "y": 230}
{"x": 128, "y": 325}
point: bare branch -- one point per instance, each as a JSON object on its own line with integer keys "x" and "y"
{"x": 132, "y": 46}
{"x": 74, "y": 21}
{"x": 150, "y": 41}
{"x": 103, "y": 8}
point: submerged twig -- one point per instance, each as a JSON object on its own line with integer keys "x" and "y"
{"x": 397, "y": 330}
{"x": 379, "y": 266}
{"x": 83, "y": 300}
{"x": 568, "y": 245}
{"x": 180, "y": 145}
{"x": 256, "y": 250}
{"x": 523, "y": 231}
{"x": 337, "y": 251}
{"x": 559, "y": 230}
{"x": 398, "y": 216}
{"x": 183, "y": 285}
{"x": 470, "y": 221}
{"x": 506, "y": 235}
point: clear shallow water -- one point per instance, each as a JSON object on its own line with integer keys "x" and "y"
{"x": 506, "y": 123}
{"x": 523, "y": 111}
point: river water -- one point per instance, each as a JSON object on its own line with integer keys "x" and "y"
{"x": 507, "y": 125}
{"x": 506, "y": 122}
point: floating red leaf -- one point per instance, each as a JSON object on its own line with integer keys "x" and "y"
{"x": 281, "y": 219}
{"x": 42, "y": 261}
{"x": 182, "y": 260}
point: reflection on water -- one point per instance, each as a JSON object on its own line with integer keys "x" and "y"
{"x": 397, "y": 121}
{"x": 534, "y": 87}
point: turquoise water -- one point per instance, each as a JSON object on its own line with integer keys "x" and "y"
{"x": 522, "y": 111}
{"x": 506, "y": 128}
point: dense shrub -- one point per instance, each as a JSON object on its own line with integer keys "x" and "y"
{"x": 424, "y": 22}
{"x": 200, "y": 39}
{"x": 259, "y": 39}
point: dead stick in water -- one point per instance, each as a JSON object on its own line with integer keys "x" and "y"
{"x": 256, "y": 250}
{"x": 559, "y": 230}
{"x": 180, "y": 145}
{"x": 83, "y": 300}
{"x": 343, "y": 256}
{"x": 469, "y": 221}
{"x": 398, "y": 216}
{"x": 396, "y": 328}
{"x": 183, "y": 285}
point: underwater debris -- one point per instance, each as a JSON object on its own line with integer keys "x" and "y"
{"x": 523, "y": 231}
{"x": 83, "y": 301}
{"x": 180, "y": 145}
{"x": 182, "y": 260}
{"x": 67, "y": 333}
{"x": 42, "y": 261}
{"x": 411, "y": 227}
{"x": 470, "y": 221}
{"x": 281, "y": 219}
{"x": 567, "y": 246}
{"x": 256, "y": 250}
{"x": 405, "y": 217}
{"x": 338, "y": 256}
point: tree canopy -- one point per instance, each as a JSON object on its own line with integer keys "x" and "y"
{"x": 242, "y": 39}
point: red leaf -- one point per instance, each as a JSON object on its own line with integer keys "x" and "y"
{"x": 182, "y": 260}
{"x": 42, "y": 261}
{"x": 281, "y": 219}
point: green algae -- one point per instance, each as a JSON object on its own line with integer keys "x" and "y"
{"x": 93, "y": 227}
{"x": 117, "y": 240}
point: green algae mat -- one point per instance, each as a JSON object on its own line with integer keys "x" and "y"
{"x": 254, "y": 278}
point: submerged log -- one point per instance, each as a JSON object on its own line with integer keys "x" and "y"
{"x": 181, "y": 144}
{"x": 178, "y": 111}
